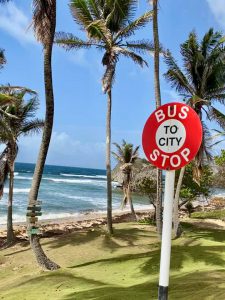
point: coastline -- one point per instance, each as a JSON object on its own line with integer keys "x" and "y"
{"x": 90, "y": 220}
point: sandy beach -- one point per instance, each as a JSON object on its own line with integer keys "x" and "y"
{"x": 52, "y": 227}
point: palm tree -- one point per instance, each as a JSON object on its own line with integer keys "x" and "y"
{"x": 16, "y": 120}
{"x": 108, "y": 25}
{"x": 126, "y": 157}
{"x": 158, "y": 103}
{"x": 44, "y": 23}
{"x": 201, "y": 84}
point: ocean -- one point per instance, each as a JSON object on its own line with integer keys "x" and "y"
{"x": 64, "y": 192}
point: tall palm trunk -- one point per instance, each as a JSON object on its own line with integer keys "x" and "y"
{"x": 158, "y": 103}
{"x": 108, "y": 162}
{"x": 10, "y": 233}
{"x": 42, "y": 259}
{"x": 176, "y": 222}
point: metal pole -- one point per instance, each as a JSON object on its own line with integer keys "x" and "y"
{"x": 166, "y": 236}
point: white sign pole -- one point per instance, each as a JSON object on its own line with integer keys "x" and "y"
{"x": 166, "y": 236}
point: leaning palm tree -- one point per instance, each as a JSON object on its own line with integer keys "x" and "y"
{"x": 16, "y": 120}
{"x": 44, "y": 22}
{"x": 126, "y": 156}
{"x": 201, "y": 83}
{"x": 109, "y": 25}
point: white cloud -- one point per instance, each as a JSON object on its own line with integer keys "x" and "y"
{"x": 14, "y": 21}
{"x": 218, "y": 9}
{"x": 64, "y": 150}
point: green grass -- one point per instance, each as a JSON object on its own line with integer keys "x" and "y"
{"x": 123, "y": 267}
{"x": 214, "y": 214}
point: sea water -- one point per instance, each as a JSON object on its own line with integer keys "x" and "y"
{"x": 64, "y": 192}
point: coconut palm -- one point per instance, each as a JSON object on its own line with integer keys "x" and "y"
{"x": 200, "y": 82}
{"x": 158, "y": 103}
{"x": 126, "y": 156}
{"x": 44, "y": 22}
{"x": 16, "y": 120}
{"x": 109, "y": 25}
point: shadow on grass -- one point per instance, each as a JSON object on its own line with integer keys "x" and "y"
{"x": 192, "y": 286}
{"x": 127, "y": 236}
{"x": 209, "y": 255}
{"x": 196, "y": 233}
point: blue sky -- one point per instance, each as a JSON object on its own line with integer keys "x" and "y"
{"x": 80, "y": 106}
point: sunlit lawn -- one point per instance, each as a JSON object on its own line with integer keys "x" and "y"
{"x": 124, "y": 267}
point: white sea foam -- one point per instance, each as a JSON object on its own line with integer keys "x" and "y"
{"x": 55, "y": 215}
{"x": 101, "y": 183}
{"x": 96, "y": 200}
{"x": 17, "y": 191}
{"x": 83, "y": 176}
{"x": 68, "y": 180}
{"x": 23, "y": 178}
{"x": 16, "y": 173}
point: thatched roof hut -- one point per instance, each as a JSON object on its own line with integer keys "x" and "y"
{"x": 141, "y": 169}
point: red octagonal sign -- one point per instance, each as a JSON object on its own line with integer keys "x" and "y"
{"x": 172, "y": 136}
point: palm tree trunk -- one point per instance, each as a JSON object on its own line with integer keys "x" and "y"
{"x": 158, "y": 103}
{"x": 10, "y": 233}
{"x": 129, "y": 198}
{"x": 42, "y": 260}
{"x": 176, "y": 223}
{"x": 108, "y": 162}
{"x": 131, "y": 204}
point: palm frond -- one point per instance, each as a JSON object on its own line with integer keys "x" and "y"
{"x": 210, "y": 41}
{"x": 6, "y": 99}
{"x": 32, "y": 127}
{"x": 176, "y": 77}
{"x": 130, "y": 54}
{"x": 119, "y": 149}
{"x": 68, "y": 41}
{"x": 117, "y": 157}
{"x": 81, "y": 12}
{"x": 98, "y": 31}
{"x": 141, "y": 46}
{"x": 217, "y": 116}
{"x": 135, "y": 25}
{"x": 44, "y": 20}
{"x": 96, "y": 8}
{"x": 118, "y": 13}
{"x": 10, "y": 89}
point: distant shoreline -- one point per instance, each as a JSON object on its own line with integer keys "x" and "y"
{"x": 87, "y": 216}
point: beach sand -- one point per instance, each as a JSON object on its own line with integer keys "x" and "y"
{"x": 52, "y": 227}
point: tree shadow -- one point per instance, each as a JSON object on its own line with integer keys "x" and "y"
{"x": 124, "y": 237}
{"x": 73, "y": 239}
{"x": 210, "y": 255}
{"x": 194, "y": 286}
{"x": 147, "y": 290}
{"x": 217, "y": 235}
